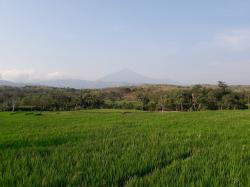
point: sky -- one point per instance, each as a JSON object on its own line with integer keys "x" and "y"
{"x": 188, "y": 41}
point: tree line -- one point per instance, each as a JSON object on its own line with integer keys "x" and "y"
{"x": 194, "y": 98}
{"x": 197, "y": 98}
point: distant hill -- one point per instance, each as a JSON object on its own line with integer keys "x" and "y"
{"x": 9, "y": 83}
{"x": 131, "y": 77}
{"x": 122, "y": 78}
{"x": 66, "y": 83}
{"x": 77, "y": 84}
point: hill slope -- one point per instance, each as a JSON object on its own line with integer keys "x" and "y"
{"x": 122, "y": 78}
{"x": 131, "y": 77}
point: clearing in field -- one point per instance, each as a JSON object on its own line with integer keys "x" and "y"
{"x": 125, "y": 148}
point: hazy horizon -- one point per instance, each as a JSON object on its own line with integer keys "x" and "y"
{"x": 186, "y": 41}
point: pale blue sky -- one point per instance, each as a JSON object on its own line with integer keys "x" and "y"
{"x": 189, "y": 41}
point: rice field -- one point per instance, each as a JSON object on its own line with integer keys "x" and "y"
{"x": 125, "y": 148}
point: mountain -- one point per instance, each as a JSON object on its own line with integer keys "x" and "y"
{"x": 124, "y": 77}
{"x": 66, "y": 83}
{"x": 9, "y": 83}
{"x": 77, "y": 84}
{"x": 131, "y": 77}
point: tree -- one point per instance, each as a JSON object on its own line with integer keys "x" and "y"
{"x": 212, "y": 101}
{"x": 91, "y": 100}
{"x": 144, "y": 99}
{"x": 223, "y": 87}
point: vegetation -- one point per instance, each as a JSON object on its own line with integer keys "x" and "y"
{"x": 152, "y": 98}
{"x": 125, "y": 148}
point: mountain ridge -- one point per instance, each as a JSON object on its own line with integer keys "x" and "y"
{"x": 129, "y": 76}
{"x": 123, "y": 77}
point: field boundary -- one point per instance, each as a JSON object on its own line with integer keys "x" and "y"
{"x": 148, "y": 171}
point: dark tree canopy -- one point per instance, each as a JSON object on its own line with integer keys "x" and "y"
{"x": 153, "y": 98}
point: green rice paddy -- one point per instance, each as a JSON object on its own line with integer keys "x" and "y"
{"x": 125, "y": 148}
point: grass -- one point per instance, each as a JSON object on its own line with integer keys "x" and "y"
{"x": 125, "y": 148}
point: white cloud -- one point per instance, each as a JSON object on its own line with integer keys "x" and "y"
{"x": 28, "y": 75}
{"x": 237, "y": 40}
{"x": 54, "y": 75}
{"x": 17, "y": 75}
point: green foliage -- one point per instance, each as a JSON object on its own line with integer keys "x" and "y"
{"x": 90, "y": 100}
{"x": 150, "y": 98}
{"x": 196, "y": 98}
{"x": 125, "y": 148}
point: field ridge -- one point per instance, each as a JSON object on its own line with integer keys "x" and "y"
{"x": 148, "y": 171}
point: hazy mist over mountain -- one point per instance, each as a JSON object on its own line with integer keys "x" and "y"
{"x": 129, "y": 76}
{"x": 124, "y": 77}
